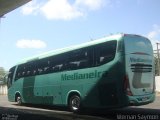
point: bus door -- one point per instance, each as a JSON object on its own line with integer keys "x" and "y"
{"x": 10, "y": 82}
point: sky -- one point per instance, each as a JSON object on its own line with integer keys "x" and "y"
{"x": 44, "y": 25}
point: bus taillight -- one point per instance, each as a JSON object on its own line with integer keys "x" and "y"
{"x": 127, "y": 86}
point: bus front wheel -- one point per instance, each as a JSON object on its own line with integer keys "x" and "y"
{"x": 74, "y": 103}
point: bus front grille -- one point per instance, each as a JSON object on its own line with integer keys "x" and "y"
{"x": 141, "y": 68}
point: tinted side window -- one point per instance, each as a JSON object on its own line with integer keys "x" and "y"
{"x": 20, "y": 71}
{"x": 81, "y": 58}
{"x": 105, "y": 52}
{"x": 77, "y": 59}
{"x": 29, "y": 68}
{"x": 41, "y": 67}
{"x": 58, "y": 63}
{"x": 10, "y": 76}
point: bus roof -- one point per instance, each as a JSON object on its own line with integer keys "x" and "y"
{"x": 70, "y": 48}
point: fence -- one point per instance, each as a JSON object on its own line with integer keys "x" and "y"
{"x": 3, "y": 90}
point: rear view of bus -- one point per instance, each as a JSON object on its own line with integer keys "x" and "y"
{"x": 139, "y": 64}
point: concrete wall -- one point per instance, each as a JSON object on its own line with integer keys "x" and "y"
{"x": 3, "y": 90}
{"x": 157, "y": 80}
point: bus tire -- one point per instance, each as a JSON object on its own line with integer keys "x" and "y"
{"x": 19, "y": 100}
{"x": 75, "y": 103}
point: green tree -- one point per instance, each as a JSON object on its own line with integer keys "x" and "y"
{"x": 2, "y": 73}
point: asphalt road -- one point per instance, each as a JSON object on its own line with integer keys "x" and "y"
{"x": 10, "y": 111}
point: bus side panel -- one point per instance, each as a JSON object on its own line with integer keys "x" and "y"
{"x": 71, "y": 84}
{"x": 42, "y": 89}
{"x": 107, "y": 91}
{"x": 52, "y": 89}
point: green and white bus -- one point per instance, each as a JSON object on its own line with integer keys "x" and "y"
{"x": 115, "y": 71}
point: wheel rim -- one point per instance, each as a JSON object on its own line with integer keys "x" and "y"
{"x": 75, "y": 103}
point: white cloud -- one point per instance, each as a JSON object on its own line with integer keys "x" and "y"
{"x": 30, "y": 8}
{"x": 63, "y": 9}
{"x": 154, "y": 35}
{"x": 24, "y": 43}
{"x": 60, "y": 9}
{"x": 91, "y": 4}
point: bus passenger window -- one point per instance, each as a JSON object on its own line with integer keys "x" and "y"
{"x": 73, "y": 65}
{"x": 41, "y": 66}
{"x": 19, "y": 75}
{"x": 61, "y": 67}
{"x": 79, "y": 59}
{"x": 23, "y": 74}
{"x": 83, "y": 64}
{"x": 28, "y": 73}
{"x": 34, "y": 72}
{"x": 105, "y": 52}
{"x": 46, "y": 69}
{"x": 19, "y": 72}
{"x": 58, "y": 63}
{"x": 40, "y": 71}
{"x": 58, "y": 68}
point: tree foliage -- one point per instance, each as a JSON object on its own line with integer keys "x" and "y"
{"x": 2, "y": 74}
{"x": 156, "y": 65}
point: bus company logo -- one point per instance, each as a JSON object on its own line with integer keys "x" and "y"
{"x": 78, "y": 76}
{"x": 135, "y": 60}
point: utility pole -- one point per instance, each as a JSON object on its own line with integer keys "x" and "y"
{"x": 158, "y": 59}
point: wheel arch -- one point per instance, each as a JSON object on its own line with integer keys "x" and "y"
{"x": 71, "y": 93}
{"x": 17, "y": 94}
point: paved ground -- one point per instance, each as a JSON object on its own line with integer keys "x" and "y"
{"x": 10, "y": 111}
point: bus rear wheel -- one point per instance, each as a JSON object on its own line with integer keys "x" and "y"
{"x": 19, "y": 100}
{"x": 75, "y": 103}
